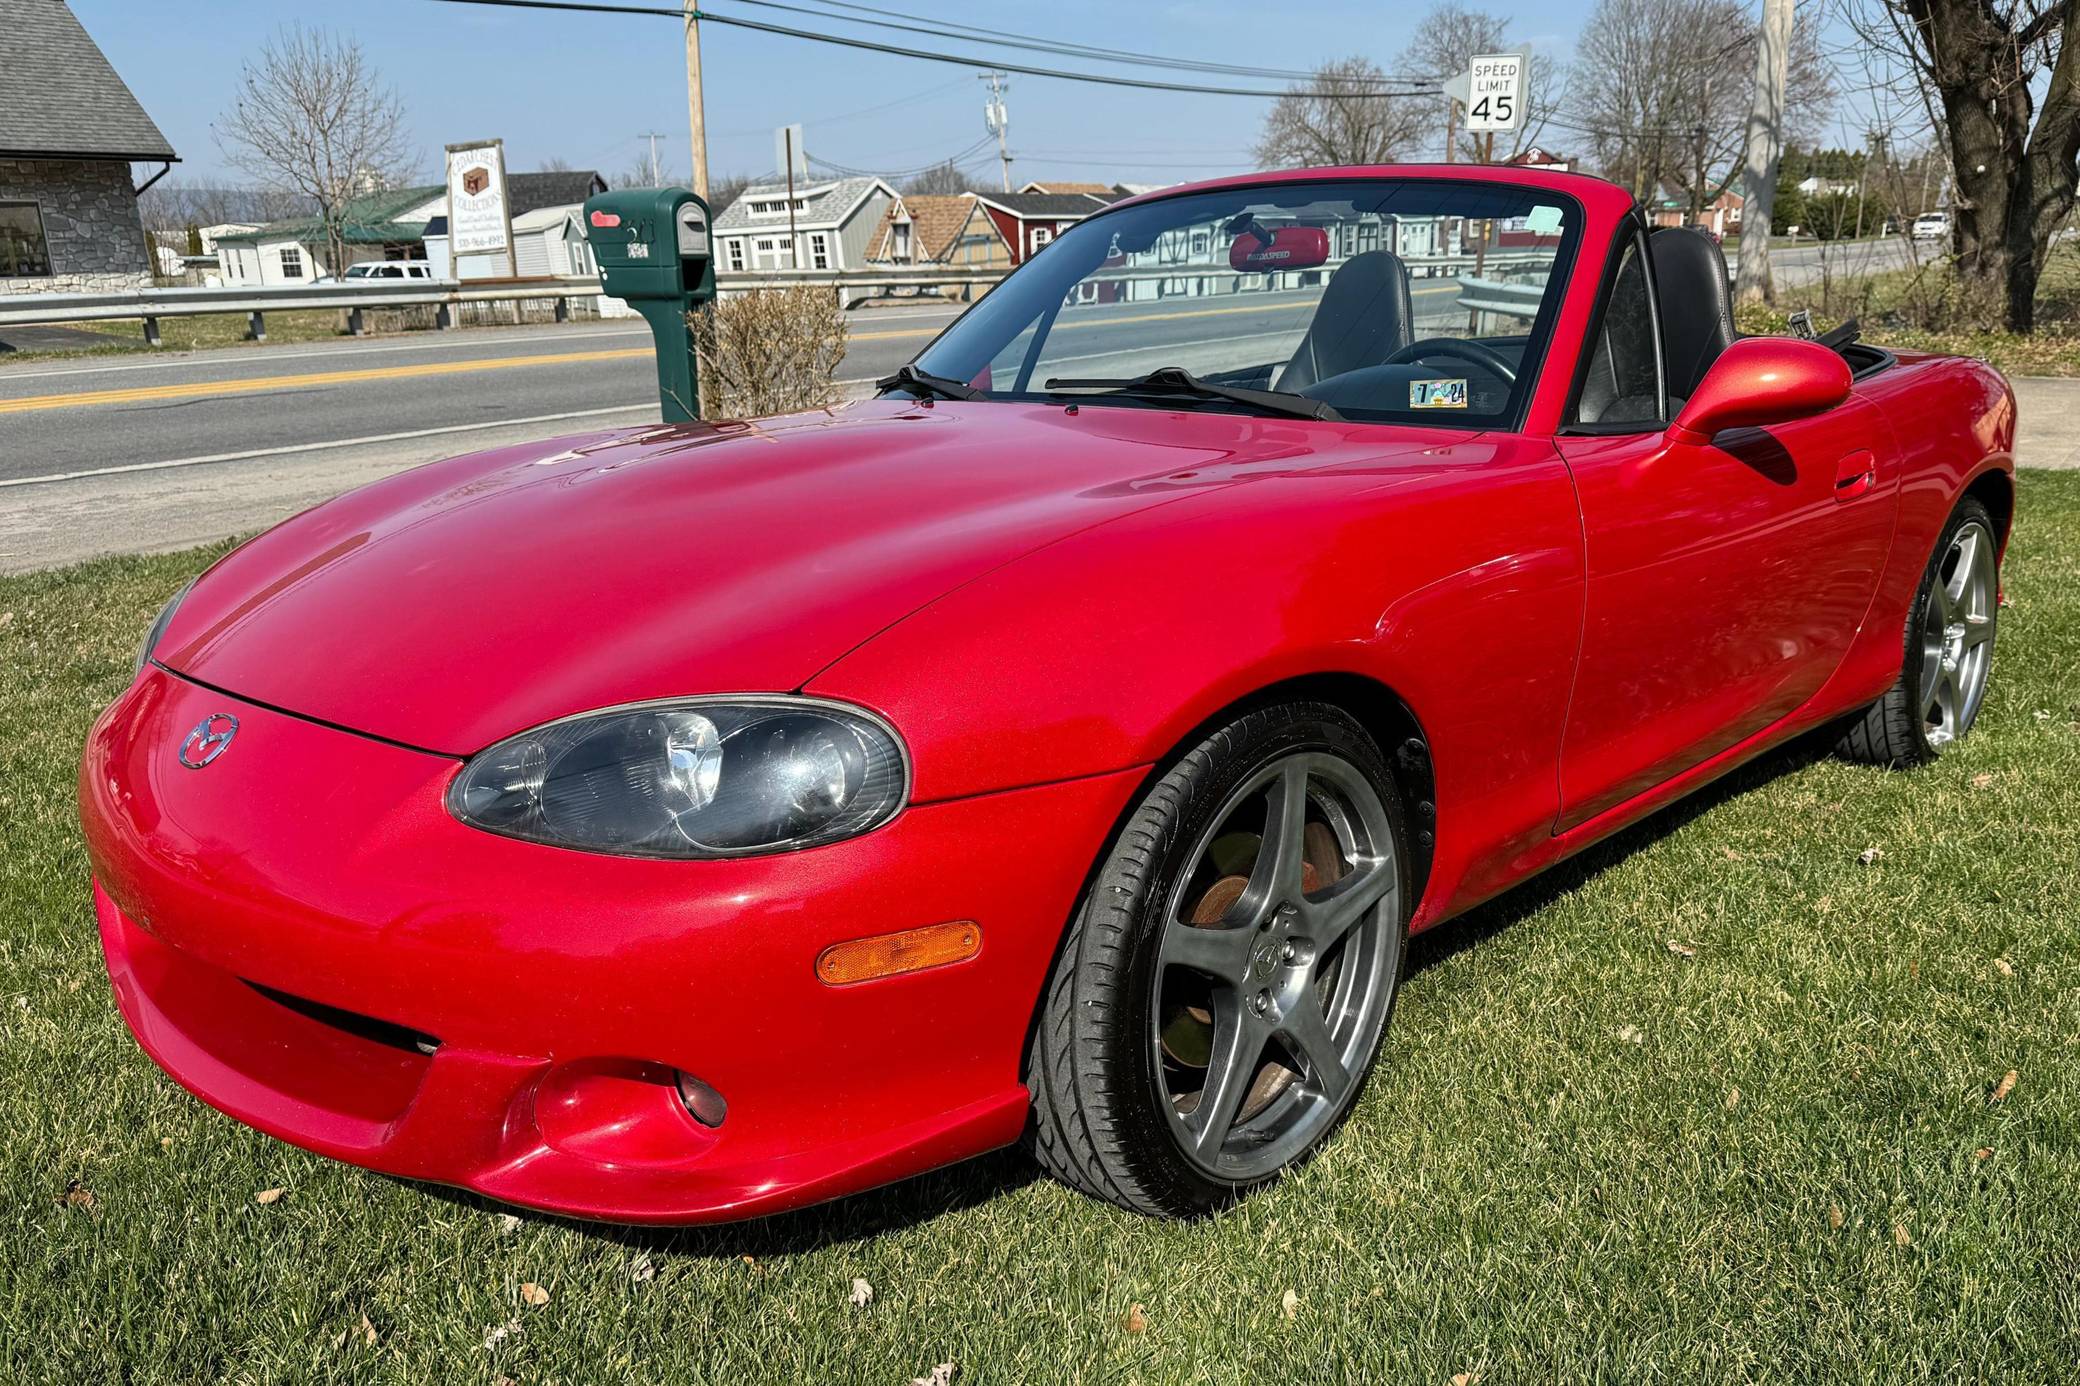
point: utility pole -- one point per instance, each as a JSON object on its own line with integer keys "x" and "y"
{"x": 696, "y": 111}
{"x": 997, "y": 121}
{"x": 1765, "y": 151}
{"x": 794, "y": 240}
{"x": 656, "y": 172}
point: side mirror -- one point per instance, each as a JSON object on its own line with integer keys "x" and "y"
{"x": 1763, "y": 380}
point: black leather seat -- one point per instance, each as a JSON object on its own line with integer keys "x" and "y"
{"x": 1364, "y": 317}
{"x": 1696, "y": 306}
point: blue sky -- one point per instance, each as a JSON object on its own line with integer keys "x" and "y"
{"x": 582, "y": 87}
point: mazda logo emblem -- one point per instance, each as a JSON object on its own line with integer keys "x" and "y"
{"x": 211, "y": 735}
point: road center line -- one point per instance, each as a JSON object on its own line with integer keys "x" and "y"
{"x": 324, "y": 446}
{"x": 252, "y": 384}
{"x": 205, "y": 357}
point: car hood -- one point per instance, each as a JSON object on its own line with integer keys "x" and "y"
{"x": 452, "y": 605}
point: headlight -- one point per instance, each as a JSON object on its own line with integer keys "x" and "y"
{"x": 692, "y": 778}
{"x": 158, "y": 627}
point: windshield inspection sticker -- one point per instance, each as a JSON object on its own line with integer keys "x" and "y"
{"x": 1437, "y": 394}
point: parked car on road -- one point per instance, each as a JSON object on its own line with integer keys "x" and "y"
{"x": 1932, "y": 226}
{"x": 381, "y": 271}
{"x": 676, "y": 824}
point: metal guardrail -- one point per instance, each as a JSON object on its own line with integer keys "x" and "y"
{"x": 1497, "y": 296}
{"x": 858, "y": 285}
{"x": 256, "y": 301}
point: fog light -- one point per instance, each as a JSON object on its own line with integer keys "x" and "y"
{"x": 703, "y": 1102}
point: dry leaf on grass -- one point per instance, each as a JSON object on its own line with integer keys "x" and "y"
{"x": 509, "y": 1329}
{"x": 1137, "y": 1320}
{"x": 1982, "y": 780}
{"x": 364, "y": 1330}
{"x": 267, "y": 1196}
{"x": 642, "y": 1268}
{"x": 1869, "y": 855}
{"x": 862, "y": 1293}
{"x": 941, "y": 1375}
{"x": 1682, "y": 950}
{"x": 1632, "y": 1034}
{"x": 2004, "y": 967}
{"x": 533, "y": 1295}
{"x": 2004, "y": 1087}
{"x": 1290, "y": 1304}
{"x": 1834, "y": 1215}
{"x": 1466, "y": 1379}
{"x": 508, "y": 1223}
{"x": 76, "y": 1195}
{"x": 1733, "y": 1098}
{"x": 166, "y": 1142}
{"x": 1984, "y": 1152}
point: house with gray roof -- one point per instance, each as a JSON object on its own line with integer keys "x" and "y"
{"x": 834, "y": 226}
{"x": 69, "y": 131}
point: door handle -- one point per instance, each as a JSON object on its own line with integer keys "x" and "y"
{"x": 1854, "y": 475}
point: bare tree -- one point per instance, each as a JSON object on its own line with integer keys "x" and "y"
{"x": 725, "y": 188}
{"x": 1660, "y": 90}
{"x": 1445, "y": 44}
{"x": 311, "y": 116}
{"x": 2000, "y": 82}
{"x": 1341, "y": 117}
{"x": 943, "y": 180}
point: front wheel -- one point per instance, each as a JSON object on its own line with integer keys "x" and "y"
{"x": 1220, "y": 997}
{"x": 1949, "y": 651}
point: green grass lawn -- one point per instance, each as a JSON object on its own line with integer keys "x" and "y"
{"x": 1589, "y": 1154}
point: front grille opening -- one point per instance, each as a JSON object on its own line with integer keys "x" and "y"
{"x": 383, "y": 1032}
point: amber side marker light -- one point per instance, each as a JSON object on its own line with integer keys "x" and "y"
{"x": 891, "y": 955}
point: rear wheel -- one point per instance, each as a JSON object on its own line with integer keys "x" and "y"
{"x": 1949, "y": 651}
{"x": 1220, "y": 997}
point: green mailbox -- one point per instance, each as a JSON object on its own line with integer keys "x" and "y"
{"x": 652, "y": 249}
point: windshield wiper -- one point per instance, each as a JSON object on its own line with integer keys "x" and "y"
{"x": 1176, "y": 380}
{"x": 909, "y": 377}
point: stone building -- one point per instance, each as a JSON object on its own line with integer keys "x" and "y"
{"x": 69, "y": 131}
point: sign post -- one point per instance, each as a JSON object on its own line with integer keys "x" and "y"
{"x": 480, "y": 219}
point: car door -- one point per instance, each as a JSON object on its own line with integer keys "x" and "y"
{"x": 1724, "y": 580}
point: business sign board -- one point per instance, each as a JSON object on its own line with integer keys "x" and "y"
{"x": 480, "y": 220}
{"x": 1495, "y": 93}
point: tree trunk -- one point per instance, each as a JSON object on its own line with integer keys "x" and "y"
{"x": 2015, "y": 165}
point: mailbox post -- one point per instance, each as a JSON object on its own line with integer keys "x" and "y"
{"x": 652, "y": 249}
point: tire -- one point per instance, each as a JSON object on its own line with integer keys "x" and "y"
{"x": 1943, "y": 674}
{"x": 1192, "y": 944}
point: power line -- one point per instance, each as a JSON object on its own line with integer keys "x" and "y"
{"x": 943, "y": 28}
{"x": 895, "y": 50}
{"x": 955, "y": 159}
{"x": 927, "y": 93}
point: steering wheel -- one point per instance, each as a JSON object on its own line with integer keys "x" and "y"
{"x": 1483, "y": 356}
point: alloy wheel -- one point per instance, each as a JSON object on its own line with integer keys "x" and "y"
{"x": 1957, "y": 635}
{"x": 1280, "y": 950}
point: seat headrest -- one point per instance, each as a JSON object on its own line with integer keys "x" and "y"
{"x": 1695, "y": 302}
{"x": 1364, "y": 317}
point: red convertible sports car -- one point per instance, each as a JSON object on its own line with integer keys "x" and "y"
{"x": 683, "y": 823}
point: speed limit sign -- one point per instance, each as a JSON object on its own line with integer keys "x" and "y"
{"x": 1495, "y": 92}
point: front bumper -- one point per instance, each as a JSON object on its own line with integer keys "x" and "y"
{"x": 302, "y": 936}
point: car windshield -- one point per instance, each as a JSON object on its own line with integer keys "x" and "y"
{"x": 1412, "y": 300}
